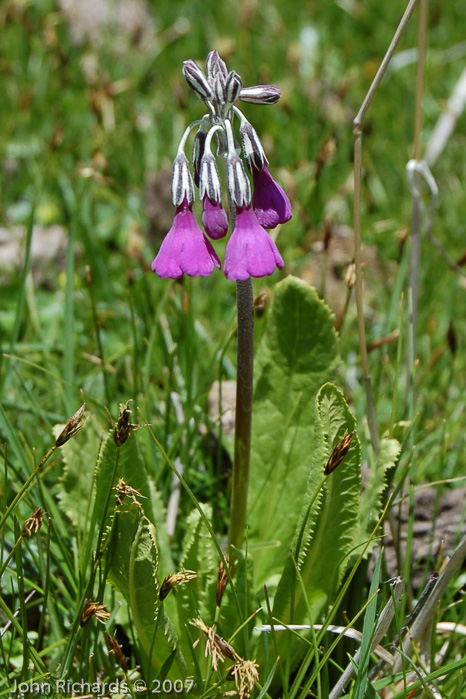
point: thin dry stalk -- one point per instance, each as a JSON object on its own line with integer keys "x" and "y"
{"x": 427, "y": 612}
{"x": 415, "y": 254}
{"x": 358, "y": 124}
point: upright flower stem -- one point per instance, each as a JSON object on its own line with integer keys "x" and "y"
{"x": 243, "y": 415}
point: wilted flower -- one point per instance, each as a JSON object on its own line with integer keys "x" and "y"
{"x": 185, "y": 249}
{"x": 270, "y": 203}
{"x": 250, "y": 251}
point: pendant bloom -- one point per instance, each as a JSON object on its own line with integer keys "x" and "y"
{"x": 270, "y": 203}
{"x": 185, "y": 249}
{"x": 214, "y": 219}
{"x": 250, "y": 251}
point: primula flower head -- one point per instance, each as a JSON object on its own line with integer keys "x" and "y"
{"x": 214, "y": 219}
{"x": 270, "y": 203}
{"x": 250, "y": 251}
{"x": 185, "y": 249}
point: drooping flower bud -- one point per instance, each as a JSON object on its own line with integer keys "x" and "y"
{"x": 270, "y": 202}
{"x": 219, "y": 89}
{"x": 196, "y": 80}
{"x": 238, "y": 185}
{"x": 215, "y": 65}
{"x": 260, "y": 94}
{"x": 252, "y": 147}
{"x": 182, "y": 181}
{"x": 232, "y": 87}
{"x": 209, "y": 179}
{"x": 198, "y": 152}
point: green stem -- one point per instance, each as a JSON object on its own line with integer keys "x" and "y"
{"x": 26, "y": 485}
{"x": 243, "y": 415}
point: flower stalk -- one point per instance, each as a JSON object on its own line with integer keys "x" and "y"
{"x": 243, "y": 414}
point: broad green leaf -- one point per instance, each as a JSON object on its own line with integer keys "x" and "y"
{"x": 198, "y": 597}
{"x": 93, "y": 464}
{"x": 327, "y": 525}
{"x": 371, "y": 500}
{"x": 297, "y": 354}
{"x": 80, "y": 459}
{"x": 133, "y": 564}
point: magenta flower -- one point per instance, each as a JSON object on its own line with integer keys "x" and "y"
{"x": 214, "y": 219}
{"x": 250, "y": 251}
{"x": 185, "y": 249}
{"x": 269, "y": 201}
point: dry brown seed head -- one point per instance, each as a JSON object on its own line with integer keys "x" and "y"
{"x": 350, "y": 275}
{"x": 72, "y": 427}
{"x": 216, "y": 646}
{"x": 123, "y": 428}
{"x": 222, "y": 580}
{"x": 33, "y": 524}
{"x": 172, "y": 581}
{"x": 115, "y": 648}
{"x": 339, "y": 452}
{"x": 123, "y": 490}
{"x": 245, "y": 674}
{"x": 93, "y": 609}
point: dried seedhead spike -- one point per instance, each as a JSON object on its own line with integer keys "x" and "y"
{"x": 72, "y": 427}
{"x": 33, "y": 524}
{"x": 245, "y": 674}
{"x": 115, "y": 648}
{"x": 339, "y": 452}
{"x": 124, "y": 427}
{"x": 93, "y": 609}
{"x": 123, "y": 490}
{"x": 172, "y": 581}
{"x": 216, "y": 646}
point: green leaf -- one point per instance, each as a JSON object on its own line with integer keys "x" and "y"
{"x": 368, "y": 630}
{"x": 93, "y": 464}
{"x": 133, "y": 564}
{"x": 371, "y": 500}
{"x": 198, "y": 597}
{"x": 328, "y": 522}
{"x": 297, "y": 354}
{"x": 81, "y": 459}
